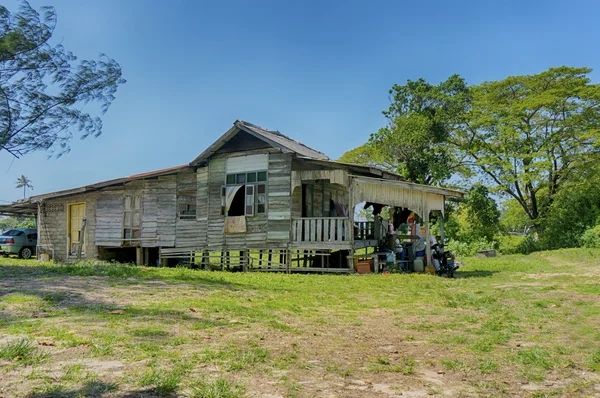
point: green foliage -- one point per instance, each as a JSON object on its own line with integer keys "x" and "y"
{"x": 24, "y": 182}
{"x": 511, "y": 244}
{"x": 12, "y": 222}
{"x": 43, "y": 90}
{"x": 591, "y": 237}
{"x": 22, "y": 351}
{"x": 526, "y": 136}
{"x": 482, "y": 211}
{"x": 413, "y": 143}
{"x": 474, "y": 224}
{"x": 469, "y": 248}
{"x": 513, "y": 218}
{"x": 219, "y": 388}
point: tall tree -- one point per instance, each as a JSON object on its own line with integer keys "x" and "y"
{"x": 42, "y": 90}
{"x": 24, "y": 182}
{"x": 527, "y": 135}
{"x": 414, "y": 142}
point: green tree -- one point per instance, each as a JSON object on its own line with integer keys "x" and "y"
{"x": 414, "y": 143}
{"x": 42, "y": 90}
{"x": 482, "y": 213}
{"x": 526, "y": 136}
{"x": 513, "y": 218}
{"x": 24, "y": 182}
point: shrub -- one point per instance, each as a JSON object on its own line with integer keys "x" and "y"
{"x": 591, "y": 237}
{"x": 467, "y": 249}
{"x": 511, "y": 244}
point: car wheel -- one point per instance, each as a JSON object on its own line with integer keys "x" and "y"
{"x": 25, "y": 253}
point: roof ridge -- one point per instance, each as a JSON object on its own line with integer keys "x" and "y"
{"x": 279, "y": 133}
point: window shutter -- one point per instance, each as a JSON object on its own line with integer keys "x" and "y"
{"x": 223, "y": 199}
{"x": 249, "y": 200}
{"x": 261, "y": 199}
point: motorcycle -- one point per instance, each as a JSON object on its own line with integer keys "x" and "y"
{"x": 443, "y": 261}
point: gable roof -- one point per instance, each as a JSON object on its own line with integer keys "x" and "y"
{"x": 271, "y": 137}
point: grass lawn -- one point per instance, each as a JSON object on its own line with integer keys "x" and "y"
{"x": 507, "y": 326}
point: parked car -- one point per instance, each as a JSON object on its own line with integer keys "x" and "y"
{"x": 20, "y": 241}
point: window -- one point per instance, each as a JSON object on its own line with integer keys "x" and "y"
{"x": 13, "y": 232}
{"x": 244, "y": 194}
{"x": 186, "y": 205}
{"x": 132, "y": 217}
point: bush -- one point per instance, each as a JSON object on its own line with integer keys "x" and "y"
{"x": 467, "y": 249}
{"x": 591, "y": 237}
{"x": 511, "y": 244}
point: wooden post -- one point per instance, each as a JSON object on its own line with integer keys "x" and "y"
{"x": 244, "y": 260}
{"x": 81, "y": 237}
{"x": 427, "y": 240}
{"x": 442, "y": 236}
{"x": 205, "y": 259}
{"x": 288, "y": 262}
{"x": 139, "y": 256}
{"x": 222, "y": 260}
{"x": 269, "y": 258}
{"x": 350, "y": 227}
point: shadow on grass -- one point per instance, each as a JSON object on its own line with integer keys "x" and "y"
{"x": 474, "y": 274}
{"x": 97, "y": 389}
{"x": 88, "y": 295}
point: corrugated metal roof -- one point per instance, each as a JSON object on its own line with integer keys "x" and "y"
{"x": 102, "y": 184}
{"x": 282, "y": 140}
{"x": 272, "y": 137}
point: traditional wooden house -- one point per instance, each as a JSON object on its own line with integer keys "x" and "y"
{"x": 255, "y": 198}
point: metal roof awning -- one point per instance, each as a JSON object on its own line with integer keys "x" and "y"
{"x": 16, "y": 209}
{"x": 417, "y": 197}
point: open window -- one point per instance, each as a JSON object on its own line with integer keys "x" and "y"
{"x": 186, "y": 205}
{"x": 245, "y": 194}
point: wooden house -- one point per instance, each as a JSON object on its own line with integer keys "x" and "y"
{"x": 255, "y": 198}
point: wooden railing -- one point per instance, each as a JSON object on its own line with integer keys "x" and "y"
{"x": 364, "y": 230}
{"x": 320, "y": 229}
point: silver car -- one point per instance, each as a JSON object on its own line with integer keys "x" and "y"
{"x": 20, "y": 241}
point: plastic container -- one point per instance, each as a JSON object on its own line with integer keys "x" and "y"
{"x": 419, "y": 265}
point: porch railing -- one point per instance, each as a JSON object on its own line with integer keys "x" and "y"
{"x": 320, "y": 229}
{"x": 364, "y": 230}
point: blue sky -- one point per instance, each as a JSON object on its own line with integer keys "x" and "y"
{"x": 318, "y": 71}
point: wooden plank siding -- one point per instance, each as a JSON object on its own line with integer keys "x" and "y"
{"x": 53, "y": 226}
{"x": 167, "y": 211}
{"x": 216, "y": 180}
{"x": 188, "y": 231}
{"x": 279, "y": 201}
{"x": 109, "y": 219}
{"x": 150, "y": 213}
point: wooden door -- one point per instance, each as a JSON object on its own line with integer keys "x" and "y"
{"x": 76, "y": 214}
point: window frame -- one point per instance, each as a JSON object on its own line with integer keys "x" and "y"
{"x": 250, "y": 187}
{"x": 130, "y": 231}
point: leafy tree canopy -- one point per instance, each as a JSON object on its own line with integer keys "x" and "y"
{"x": 414, "y": 143}
{"x": 525, "y": 136}
{"x": 42, "y": 89}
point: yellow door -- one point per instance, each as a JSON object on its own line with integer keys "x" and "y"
{"x": 76, "y": 214}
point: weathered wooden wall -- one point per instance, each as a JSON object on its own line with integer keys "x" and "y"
{"x": 53, "y": 222}
{"x": 160, "y": 222}
{"x": 109, "y": 218}
{"x": 279, "y": 200}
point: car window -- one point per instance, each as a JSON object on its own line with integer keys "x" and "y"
{"x": 13, "y": 232}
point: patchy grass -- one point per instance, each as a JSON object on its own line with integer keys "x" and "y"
{"x": 507, "y": 326}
